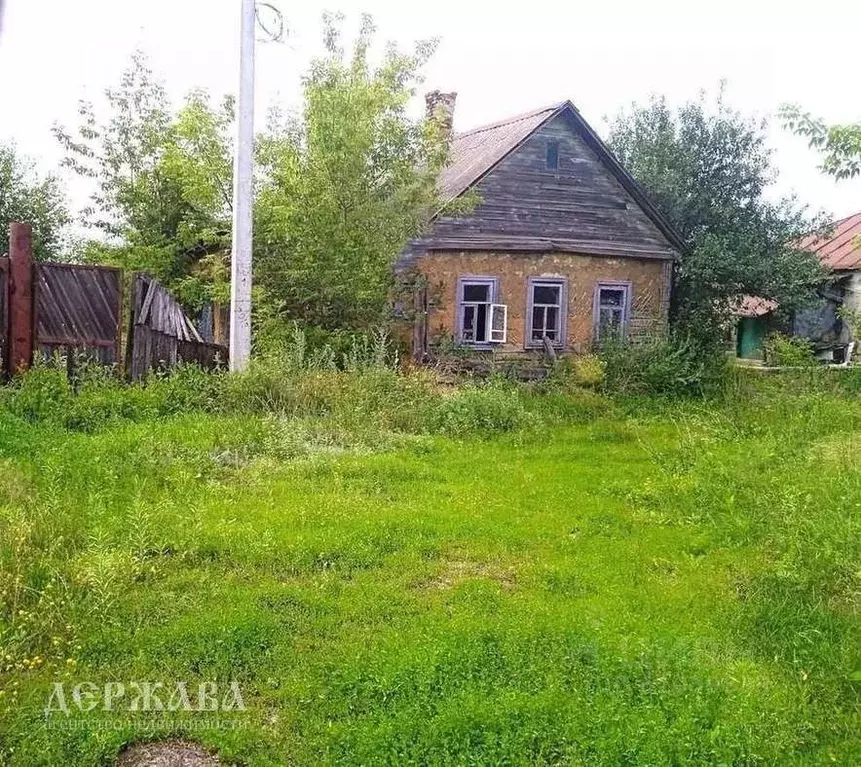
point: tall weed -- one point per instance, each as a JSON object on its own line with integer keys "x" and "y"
{"x": 788, "y": 351}
{"x": 663, "y": 366}
{"x": 485, "y": 409}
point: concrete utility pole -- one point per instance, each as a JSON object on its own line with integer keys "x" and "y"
{"x": 243, "y": 199}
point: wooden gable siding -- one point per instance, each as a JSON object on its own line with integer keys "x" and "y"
{"x": 580, "y": 207}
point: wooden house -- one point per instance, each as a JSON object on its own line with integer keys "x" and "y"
{"x": 562, "y": 248}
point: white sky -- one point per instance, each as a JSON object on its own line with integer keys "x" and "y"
{"x": 501, "y": 58}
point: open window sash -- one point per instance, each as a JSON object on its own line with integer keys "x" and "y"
{"x": 498, "y": 323}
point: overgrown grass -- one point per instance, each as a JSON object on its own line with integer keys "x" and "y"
{"x": 396, "y": 571}
{"x": 674, "y": 366}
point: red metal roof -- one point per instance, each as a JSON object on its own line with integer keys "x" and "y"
{"x": 840, "y": 248}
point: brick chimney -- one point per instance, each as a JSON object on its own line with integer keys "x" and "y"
{"x": 440, "y": 106}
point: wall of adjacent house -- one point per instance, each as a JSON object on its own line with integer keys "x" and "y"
{"x": 852, "y": 292}
{"x": 820, "y": 322}
{"x": 650, "y": 290}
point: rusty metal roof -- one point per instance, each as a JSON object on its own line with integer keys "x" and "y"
{"x": 753, "y": 306}
{"x": 840, "y": 248}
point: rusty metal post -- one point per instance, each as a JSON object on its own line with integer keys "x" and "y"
{"x": 21, "y": 297}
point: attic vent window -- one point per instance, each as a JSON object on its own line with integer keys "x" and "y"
{"x": 552, "y": 155}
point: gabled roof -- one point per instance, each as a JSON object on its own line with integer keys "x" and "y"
{"x": 840, "y": 248}
{"x": 753, "y": 306}
{"x": 476, "y": 152}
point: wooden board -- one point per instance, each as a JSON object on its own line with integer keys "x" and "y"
{"x": 78, "y": 309}
{"x": 161, "y": 336}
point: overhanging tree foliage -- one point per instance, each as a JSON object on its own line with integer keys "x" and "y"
{"x": 708, "y": 168}
{"x": 345, "y": 184}
{"x": 839, "y": 145}
{"x": 37, "y": 200}
{"x": 161, "y": 180}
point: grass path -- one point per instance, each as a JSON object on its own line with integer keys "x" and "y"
{"x": 624, "y": 592}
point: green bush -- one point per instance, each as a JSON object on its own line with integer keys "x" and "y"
{"x": 96, "y": 396}
{"x": 788, "y": 351}
{"x": 583, "y": 371}
{"x": 266, "y": 386}
{"x": 364, "y": 396}
{"x": 43, "y": 393}
{"x": 589, "y": 370}
{"x": 496, "y": 407}
{"x": 659, "y": 365}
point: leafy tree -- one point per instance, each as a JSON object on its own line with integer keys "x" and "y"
{"x": 839, "y": 145}
{"x": 162, "y": 180}
{"x": 342, "y": 184}
{"x": 346, "y": 183}
{"x": 709, "y": 169}
{"x": 37, "y": 200}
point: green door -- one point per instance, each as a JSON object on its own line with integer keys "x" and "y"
{"x": 751, "y": 332}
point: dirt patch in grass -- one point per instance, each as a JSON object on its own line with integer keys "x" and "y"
{"x": 453, "y": 572}
{"x": 838, "y": 449}
{"x": 15, "y": 486}
{"x": 167, "y": 753}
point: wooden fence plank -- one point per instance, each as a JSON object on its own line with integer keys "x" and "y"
{"x": 161, "y": 336}
{"x": 77, "y": 310}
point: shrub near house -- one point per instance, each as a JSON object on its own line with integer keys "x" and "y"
{"x": 562, "y": 246}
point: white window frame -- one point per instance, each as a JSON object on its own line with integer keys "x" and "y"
{"x": 491, "y": 337}
{"x": 501, "y": 335}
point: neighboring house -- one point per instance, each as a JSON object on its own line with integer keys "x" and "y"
{"x": 562, "y": 245}
{"x": 839, "y": 250}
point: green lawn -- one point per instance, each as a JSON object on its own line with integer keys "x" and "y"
{"x": 677, "y": 586}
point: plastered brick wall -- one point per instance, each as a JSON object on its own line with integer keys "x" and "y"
{"x": 650, "y": 289}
